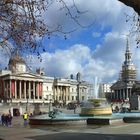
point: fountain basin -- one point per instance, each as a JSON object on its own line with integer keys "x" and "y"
{"x": 96, "y": 111}
{"x": 96, "y": 107}
{"x": 104, "y": 121}
{"x": 131, "y": 119}
{"x": 63, "y": 120}
{"x": 57, "y": 121}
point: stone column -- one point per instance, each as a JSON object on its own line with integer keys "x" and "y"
{"x": 65, "y": 95}
{"x": 41, "y": 84}
{"x": 10, "y": 88}
{"x": 130, "y": 92}
{"x": 61, "y": 93}
{"x": 120, "y": 94}
{"x": 19, "y": 89}
{"x": 54, "y": 88}
{"x": 126, "y": 93}
{"x": 29, "y": 90}
{"x": 68, "y": 94}
{"x": 57, "y": 93}
{"x": 24, "y": 89}
{"x": 117, "y": 95}
{"x": 38, "y": 90}
{"x": 15, "y": 89}
{"x": 33, "y": 90}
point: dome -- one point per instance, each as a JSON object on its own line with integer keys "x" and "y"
{"x": 17, "y": 64}
{"x": 16, "y": 59}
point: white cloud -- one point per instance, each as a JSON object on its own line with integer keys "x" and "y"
{"x": 78, "y": 58}
{"x": 106, "y": 60}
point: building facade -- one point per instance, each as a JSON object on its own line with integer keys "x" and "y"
{"x": 104, "y": 88}
{"x": 122, "y": 89}
{"x": 18, "y": 87}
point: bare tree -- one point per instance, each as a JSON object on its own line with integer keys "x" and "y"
{"x": 21, "y": 21}
{"x": 134, "y": 19}
{"x": 133, "y": 3}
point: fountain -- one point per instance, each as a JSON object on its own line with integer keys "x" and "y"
{"x": 94, "y": 111}
{"x": 96, "y": 107}
{"x": 56, "y": 117}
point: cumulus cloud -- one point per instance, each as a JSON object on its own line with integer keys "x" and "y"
{"x": 79, "y": 58}
{"x": 104, "y": 60}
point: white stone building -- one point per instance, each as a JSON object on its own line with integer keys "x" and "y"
{"x": 104, "y": 88}
{"x": 20, "y": 88}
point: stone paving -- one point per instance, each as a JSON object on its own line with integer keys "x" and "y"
{"x": 79, "y": 132}
{"x": 121, "y": 131}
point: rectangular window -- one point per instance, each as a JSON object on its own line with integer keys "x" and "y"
{"x": 72, "y": 98}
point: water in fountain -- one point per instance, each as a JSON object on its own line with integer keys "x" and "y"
{"x": 96, "y": 87}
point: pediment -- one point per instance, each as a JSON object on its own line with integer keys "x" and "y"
{"x": 28, "y": 75}
{"x": 118, "y": 85}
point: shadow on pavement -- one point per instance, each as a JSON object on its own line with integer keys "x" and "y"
{"x": 86, "y": 136}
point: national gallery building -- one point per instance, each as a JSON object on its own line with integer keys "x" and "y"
{"x": 19, "y": 88}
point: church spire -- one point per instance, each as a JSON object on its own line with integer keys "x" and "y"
{"x": 128, "y": 54}
{"x": 128, "y": 69}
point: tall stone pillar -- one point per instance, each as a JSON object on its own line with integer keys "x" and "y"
{"x": 54, "y": 88}
{"x": 33, "y": 90}
{"x": 65, "y": 96}
{"x": 130, "y": 92}
{"x": 24, "y": 89}
{"x": 38, "y": 90}
{"x": 19, "y": 89}
{"x": 117, "y": 94}
{"x": 10, "y": 89}
{"x": 120, "y": 94}
{"x": 126, "y": 93}
{"x": 57, "y": 93}
{"x": 29, "y": 90}
{"x": 15, "y": 89}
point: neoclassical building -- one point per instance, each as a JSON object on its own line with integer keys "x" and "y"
{"x": 122, "y": 89}
{"x": 19, "y": 87}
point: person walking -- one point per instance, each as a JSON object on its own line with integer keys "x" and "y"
{"x": 25, "y": 117}
{"x": 9, "y": 120}
{"x": 3, "y": 119}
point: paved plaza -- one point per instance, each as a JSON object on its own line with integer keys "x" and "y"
{"x": 121, "y": 131}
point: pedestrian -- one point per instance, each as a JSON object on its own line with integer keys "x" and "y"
{"x": 25, "y": 117}
{"x": 9, "y": 120}
{"x": 74, "y": 108}
{"x": 3, "y": 119}
{"x": 6, "y": 120}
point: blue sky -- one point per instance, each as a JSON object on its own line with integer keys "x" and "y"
{"x": 91, "y": 36}
{"x": 95, "y": 51}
